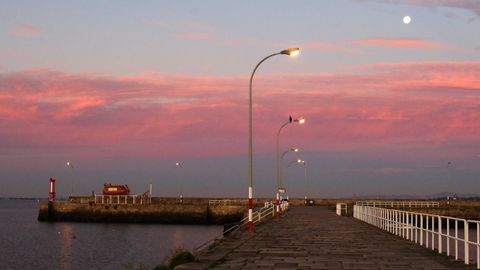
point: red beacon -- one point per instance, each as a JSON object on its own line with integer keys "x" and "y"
{"x": 51, "y": 194}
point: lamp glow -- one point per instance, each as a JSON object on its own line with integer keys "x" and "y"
{"x": 300, "y": 120}
{"x": 291, "y": 51}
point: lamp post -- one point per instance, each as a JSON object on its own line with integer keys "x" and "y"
{"x": 300, "y": 120}
{"x": 304, "y": 164}
{"x": 290, "y": 52}
{"x": 70, "y": 164}
{"x": 280, "y": 187}
{"x": 179, "y": 164}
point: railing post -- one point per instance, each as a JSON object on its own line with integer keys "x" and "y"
{"x": 433, "y": 233}
{"x": 456, "y": 239}
{"x": 416, "y": 228}
{"x": 466, "y": 243}
{"x": 427, "y": 218}
{"x": 421, "y": 230}
{"x": 448, "y": 237}
{"x": 478, "y": 245}
{"x": 439, "y": 235}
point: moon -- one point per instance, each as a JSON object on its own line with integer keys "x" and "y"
{"x": 407, "y": 19}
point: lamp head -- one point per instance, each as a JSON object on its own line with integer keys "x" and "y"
{"x": 300, "y": 120}
{"x": 68, "y": 163}
{"x": 294, "y": 149}
{"x": 291, "y": 51}
{"x": 178, "y": 164}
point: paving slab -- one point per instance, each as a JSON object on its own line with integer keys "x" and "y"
{"x": 316, "y": 238}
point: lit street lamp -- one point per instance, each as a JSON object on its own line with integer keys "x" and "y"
{"x": 304, "y": 164}
{"x": 290, "y": 52}
{"x": 280, "y": 187}
{"x": 70, "y": 164}
{"x": 300, "y": 120}
{"x": 179, "y": 164}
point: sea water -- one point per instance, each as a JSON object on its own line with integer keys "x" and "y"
{"x": 26, "y": 243}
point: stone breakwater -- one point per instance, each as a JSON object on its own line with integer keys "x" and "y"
{"x": 151, "y": 213}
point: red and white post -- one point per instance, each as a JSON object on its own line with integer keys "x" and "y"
{"x": 250, "y": 209}
{"x": 51, "y": 194}
{"x": 277, "y": 211}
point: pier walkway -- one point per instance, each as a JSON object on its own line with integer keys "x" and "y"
{"x": 316, "y": 238}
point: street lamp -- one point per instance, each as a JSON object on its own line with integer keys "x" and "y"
{"x": 280, "y": 187}
{"x": 290, "y": 52}
{"x": 179, "y": 164}
{"x": 304, "y": 164}
{"x": 70, "y": 164}
{"x": 299, "y": 120}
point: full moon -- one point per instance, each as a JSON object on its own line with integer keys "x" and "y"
{"x": 407, "y": 19}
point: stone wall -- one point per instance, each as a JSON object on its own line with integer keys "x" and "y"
{"x": 167, "y": 213}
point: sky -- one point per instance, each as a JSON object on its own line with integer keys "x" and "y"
{"x": 125, "y": 89}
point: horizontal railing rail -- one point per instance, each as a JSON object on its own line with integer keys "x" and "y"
{"x": 122, "y": 199}
{"x": 258, "y": 216}
{"x": 447, "y": 235}
{"x": 400, "y": 204}
{"x": 216, "y": 238}
{"x": 227, "y": 202}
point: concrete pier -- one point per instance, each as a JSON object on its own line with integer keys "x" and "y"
{"x": 165, "y": 213}
{"x": 316, "y": 238}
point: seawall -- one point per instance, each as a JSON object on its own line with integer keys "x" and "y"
{"x": 165, "y": 211}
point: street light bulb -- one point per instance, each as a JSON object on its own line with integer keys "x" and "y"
{"x": 291, "y": 51}
{"x": 294, "y": 52}
{"x": 299, "y": 161}
{"x": 177, "y": 164}
{"x": 300, "y": 120}
{"x": 68, "y": 163}
{"x": 295, "y": 150}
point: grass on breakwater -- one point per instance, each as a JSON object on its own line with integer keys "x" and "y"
{"x": 461, "y": 208}
{"x": 178, "y": 257}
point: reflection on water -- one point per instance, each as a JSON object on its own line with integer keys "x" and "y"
{"x": 178, "y": 237}
{"x": 28, "y": 244}
{"x": 66, "y": 235}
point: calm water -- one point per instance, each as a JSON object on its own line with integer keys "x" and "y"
{"x": 26, "y": 243}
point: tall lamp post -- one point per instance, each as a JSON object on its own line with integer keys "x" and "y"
{"x": 280, "y": 187}
{"x": 304, "y": 164}
{"x": 70, "y": 164}
{"x": 290, "y": 52}
{"x": 179, "y": 164}
{"x": 300, "y": 120}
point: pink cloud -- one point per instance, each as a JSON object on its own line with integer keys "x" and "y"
{"x": 431, "y": 104}
{"x": 324, "y": 46}
{"x": 472, "y": 5}
{"x": 24, "y": 30}
{"x": 195, "y": 36}
{"x": 464, "y": 4}
{"x": 406, "y": 43}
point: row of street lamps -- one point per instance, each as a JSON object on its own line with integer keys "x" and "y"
{"x": 280, "y": 187}
{"x": 289, "y": 52}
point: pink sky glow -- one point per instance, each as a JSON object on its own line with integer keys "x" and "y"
{"x": 378, "y": 104}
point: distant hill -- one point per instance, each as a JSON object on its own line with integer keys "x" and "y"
{"x": 441, "y": 195}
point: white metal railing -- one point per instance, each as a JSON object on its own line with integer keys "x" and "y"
{"x": 341, "y": 209}
{"x": 216, "y": 238}
{"x": 447, "y": 235}
{"x": 122, "y": 199}
{"x": 227, "y": 202}
{"x": 399, "y": 204}
{"x": 258, "y": 216}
